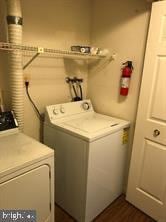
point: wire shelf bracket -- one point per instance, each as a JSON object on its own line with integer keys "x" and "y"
{"x": 40, "y": 50}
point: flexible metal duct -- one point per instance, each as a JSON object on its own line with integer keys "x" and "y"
{"x": 14, "y": 20}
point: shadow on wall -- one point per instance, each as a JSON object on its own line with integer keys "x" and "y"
{"x": 56, "y": 22}
{"x": 75, "y": 67}
{"x": 55, "y": 8}
{"x": 4, "y": 78}
{"x": 122, "y": 14}
{"x": 98, "y": 65}
{"x": 3, "y": 23}
{"x": 4, "y": 81}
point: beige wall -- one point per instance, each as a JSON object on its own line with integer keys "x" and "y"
{"x": 117, "y": 25}
{"x": 120, "y": 26}
{"x": 4, "y": 80}
{"x": 57, "y": 24}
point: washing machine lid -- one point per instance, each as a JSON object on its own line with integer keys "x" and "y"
{"x": 92, "y": 123}
{"x": 80, "y": 119}
{"x": 91, "y": 126}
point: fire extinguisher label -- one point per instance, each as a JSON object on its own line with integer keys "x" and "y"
{"x": 125, "y": 82}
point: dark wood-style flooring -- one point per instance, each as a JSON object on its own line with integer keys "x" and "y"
{"x": 119, "y": 211}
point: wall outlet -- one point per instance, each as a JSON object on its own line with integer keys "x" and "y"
{"x": 27, "y": 77}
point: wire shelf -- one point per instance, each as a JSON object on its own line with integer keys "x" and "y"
{"x": 48, "y": 52}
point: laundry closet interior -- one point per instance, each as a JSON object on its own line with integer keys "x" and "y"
{"x": 77, "y": 52}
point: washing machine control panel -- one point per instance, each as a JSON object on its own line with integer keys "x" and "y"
{"x": 58, "y": 111}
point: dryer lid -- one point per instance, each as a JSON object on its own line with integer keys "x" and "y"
{"x": 18, "y": 150}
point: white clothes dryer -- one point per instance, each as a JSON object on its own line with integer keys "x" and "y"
{"x": 26, "y": 174}
{"x": 90, "y": 157}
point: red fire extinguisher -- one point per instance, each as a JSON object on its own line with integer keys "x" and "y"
{"x": 125, "y": 78}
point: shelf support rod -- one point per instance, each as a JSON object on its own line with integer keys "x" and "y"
{"x": 31, "y": 60}
{"x": 39, "y": 51}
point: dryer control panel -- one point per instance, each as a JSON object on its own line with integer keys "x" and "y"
{"x": 7, "y": 121}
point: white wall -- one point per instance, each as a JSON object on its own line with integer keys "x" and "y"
{"x": 120, "y": 26}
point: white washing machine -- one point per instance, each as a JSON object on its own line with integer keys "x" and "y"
{"x": 26, "y": 174}
{"x": 90, "y": 157}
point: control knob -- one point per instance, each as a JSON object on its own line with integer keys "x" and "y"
{"x": 86, "y": 106}
{"x": 62, "y": 109}
{"x": 55, "y": 111}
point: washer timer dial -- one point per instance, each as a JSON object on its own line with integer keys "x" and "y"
{"x": 86, "y": 106}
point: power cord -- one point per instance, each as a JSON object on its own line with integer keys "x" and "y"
{"x": 33, "y": 104}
